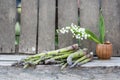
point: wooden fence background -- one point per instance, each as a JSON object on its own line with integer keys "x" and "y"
{"x": 39, "y": 19}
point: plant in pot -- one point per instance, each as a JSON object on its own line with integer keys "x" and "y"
{"x": 103, "y": 49}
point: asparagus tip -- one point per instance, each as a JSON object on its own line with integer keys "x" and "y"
{"x": 72, "y": 66}
{"x": 64, "y": 65}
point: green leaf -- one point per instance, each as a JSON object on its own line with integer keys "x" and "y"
{"x": 19, "y": 10}
{"x": 56, "y": 38}
{"x": 17, "y": 29}
{"x": 101, "y": 27}
{"x": 17, "y": 40}
{"x": 93, "y": 37}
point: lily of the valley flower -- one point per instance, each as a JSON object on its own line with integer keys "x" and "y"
{"x": 77, "y": 31}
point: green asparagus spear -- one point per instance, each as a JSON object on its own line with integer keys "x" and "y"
{"x": 61, "y": 57}
{"x": 65, "y": 55}
{"x": 65, "y": 65}
{"x": 85, "y": 57}
{"x": 84, "y": 61}
{"x": 53, "y": 60}
{"x": 55, "y": 52}
{"x": 77, "y": 54}
{"x": 36, "y": 59}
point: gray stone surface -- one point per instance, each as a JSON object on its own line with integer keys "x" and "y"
{"x": 8, "y": 60}
{"x": 12, "y": 57}
{"x": 54, "y": 73}
{"x": 113, "y": 62}
{"x": 95, "y": 70}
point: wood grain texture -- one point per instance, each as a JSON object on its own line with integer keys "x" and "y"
{"x": 67, "y": 14}
{"x": 111, "y": 12}
{"x": 12, "y": 57}
{"x": 89, "y": 16}
{"x": 7, "y": 26}
{"x": 46, "y": 36}
{"x": 28, "y": 26}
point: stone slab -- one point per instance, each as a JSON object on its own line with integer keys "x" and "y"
{"x": 7, "y": 60}
{"x": 54, "y": 73}
{"x": 95, "y": 70}
{"x": 113, "y": 62}
{"x": 6, "y": 63}
{"x": 12, "y": 57}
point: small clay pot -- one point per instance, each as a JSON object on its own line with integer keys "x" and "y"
{"x": 104, "y": 51}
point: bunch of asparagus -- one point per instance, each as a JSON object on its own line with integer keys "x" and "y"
{"x": 70, "y": 56}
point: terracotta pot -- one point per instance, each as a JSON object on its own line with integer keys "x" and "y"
{"x": 104, "y": 51}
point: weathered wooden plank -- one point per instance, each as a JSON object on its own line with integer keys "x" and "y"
{"x": 12, "y": 57}
{"x": 111, "y": 12}
{"x": 89, "y": 16}
{"x": 67, "y": 14}
{"x": 7, "y": 63}
{"x": 46, "y": 34}
{"x": 28, "y": 26}
{"x": 7, "y": 23}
